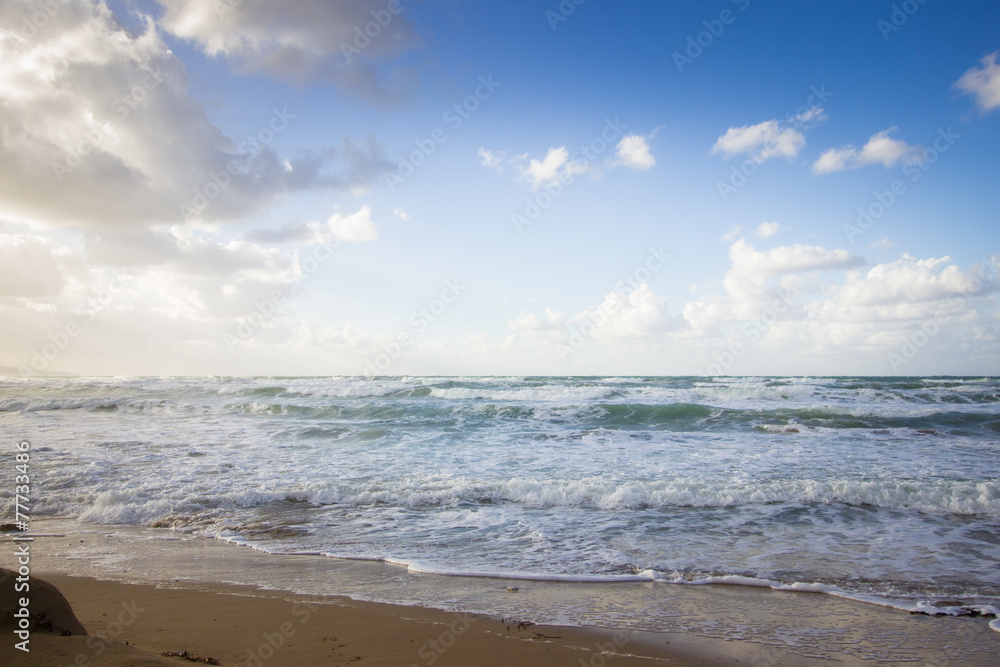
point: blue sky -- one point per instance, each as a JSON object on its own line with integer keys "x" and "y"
{"x": 711, "y": 227}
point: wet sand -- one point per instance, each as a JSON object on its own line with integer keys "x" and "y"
{"x": 141, "y": 593}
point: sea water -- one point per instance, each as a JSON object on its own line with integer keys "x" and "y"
{"x": 880, "y": 489}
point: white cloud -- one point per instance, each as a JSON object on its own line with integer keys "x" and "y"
{"x": 130, "y": 291}
{"x": 767, "y": 229}
{"x": 526, "y": 321}
{"x": 180, "y": 252}
{"x": 354, "y": 228}
{"x": 637, "y": 316}
{"x": 633, "y": 315}
{"x": 554, "y": 167}
{"x": 778, "y": 305}
{"x": 34, "y": 267}
{"x": 761, "y": 141}
{"x": 492, "y": 159}
{"x": 401, "y": 214}
{"x": 733, "y": 234}
{"x": 810, "y": 115}
{"x": 787, "y": 259}
{"x": 983, "y": 83}
{"x": 747, "y": 288}
{"x": 181, "y": 291}
{"x": 300, "y": 41}
{"x": 881, "y": 148}
{"x": 883, "y": 307}
{"x": 99, "y": 131}
{"x": 909, "y": 280}
{"x": 633, "y": 152}
{"x": 882, "y": 244}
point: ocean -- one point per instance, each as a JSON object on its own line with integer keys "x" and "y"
{"x": 884, "y": 490}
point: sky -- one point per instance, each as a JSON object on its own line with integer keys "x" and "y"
{"x": 533, "y": 187}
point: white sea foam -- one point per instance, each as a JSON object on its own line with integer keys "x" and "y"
{"x": 851, "y": 487}
{"x": 556, "y": 394}
{"x": 956, "y": 498}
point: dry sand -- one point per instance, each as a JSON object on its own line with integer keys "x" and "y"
{"x": 130, "y": 624}
{"x": 141, "y": 593}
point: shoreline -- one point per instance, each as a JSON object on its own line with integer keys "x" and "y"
{"x": 135, "y": 624}
{"x": 718, "y": 624}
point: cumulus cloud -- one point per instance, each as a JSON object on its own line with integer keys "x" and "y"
{"x": 100, "y": 131}
{"x": 354, "y": 228}
{"x": 910, "y": 280}
{"x": 882, "y": 308}
{"x": 772, "y": 138}
{"x": 554, "y": 167}
{"x": 881, "y": 148}
{"x": 309, "y": 40}
{"x": 629, "y": 315}
{"x": 748, "y": 288}
{"x": 767, "y": 229}
{"x": 779, "y": 301}
{"x": 983, "y": 83}
{"x": 633, "y": 152}
{"x": 638, "y": 315}
{"x": 177, "y": 250}
{"x": 34, "y": 267}
{"x": 761, "y": 141}
{"x": 747, "y": 261}
{"x": 127, "y": 289}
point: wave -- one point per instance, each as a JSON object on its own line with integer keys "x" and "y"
{"x": 933, "y": 497}
{"x": 856, "y": 397}
{"x": 44, "y": 404}
{"x": 547, "y": 394}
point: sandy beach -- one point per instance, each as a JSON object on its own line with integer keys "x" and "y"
{"x": 136, "y": 607}
{"x": 129, "y": 624}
